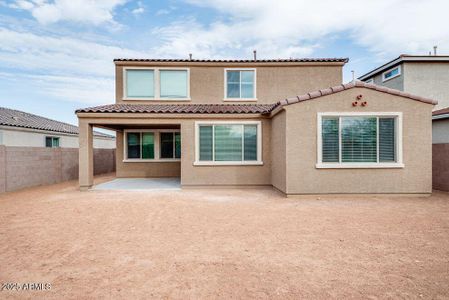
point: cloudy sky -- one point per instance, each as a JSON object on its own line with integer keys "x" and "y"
{"x": 56, "y": 55}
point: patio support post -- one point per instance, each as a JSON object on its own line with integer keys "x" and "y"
{"x": 86, "y": 155}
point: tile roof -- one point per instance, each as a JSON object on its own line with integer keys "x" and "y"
{"x": 242, "y": 108}
{"x": 350, "y": 85}
{"x": 17, "y": 118}
{"x": 335, "y": 59}
{"x": 181, "y": 108}
{"x": 441, "y": 113}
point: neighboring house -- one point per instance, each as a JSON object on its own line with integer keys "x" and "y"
{"x": 21, "y": 129}
{"x": 440, "y": 151}
{"x": 426, "y": 76}
{"x": 223, "y": 123}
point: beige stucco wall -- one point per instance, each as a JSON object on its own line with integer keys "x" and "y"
{"x": 304, "y": 178}
{"x": 223, "y": 175}
{"x": 273, "y": 83}
{"x": 428, "y": 80}
{"x": 278, "y": 151}
{"x": 143, "y": 169}
{"x": 22, "y": 137}
{"x": 440, "y": 131}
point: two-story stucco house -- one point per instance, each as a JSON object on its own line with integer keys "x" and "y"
{"x": 229, "y": 123}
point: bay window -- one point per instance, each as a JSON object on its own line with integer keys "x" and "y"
{"x": 152, "y": 145}
{"x": 359, "y": 140}
{"x": 228, "y": 143}
{"x": 141, "y": 83}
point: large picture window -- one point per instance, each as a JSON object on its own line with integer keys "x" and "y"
{"x": 360, "y": 140}
{"x": 240, "y": 84}
{"x": 152, "y": 145}
{"x": 228, "y": 143}
{"x": 156, "y": 83}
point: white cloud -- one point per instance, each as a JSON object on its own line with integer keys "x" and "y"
{"x": 83, "y": 11}
{"x": 140, "y": 8}
{"x": 75, "y": 70}
{"x": 59, "y": 54}
{"x": 296, "y": 27}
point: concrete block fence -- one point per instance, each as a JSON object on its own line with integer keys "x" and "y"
{"x": 22, "y": 167}
{"x": 440, "y": 167}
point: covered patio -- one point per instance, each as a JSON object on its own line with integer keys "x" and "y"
{"x": 140, "y": 184}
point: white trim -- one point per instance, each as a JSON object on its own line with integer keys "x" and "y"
{"x": 197, "y": 161}
{"x": 390, "y": 70}
{"x": 156, "y": 135}
{"x": 156, "y": 84}
{"x": 398, "y": 140}
{"x": 359, "y": 165}
{"x": 225, "y": 98}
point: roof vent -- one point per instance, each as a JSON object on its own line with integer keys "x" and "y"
{"x": 255, "y": 54}
{"x": 435, "y": 50}
{"x": 15, "y": 118}
{"x": 190, "y": 56}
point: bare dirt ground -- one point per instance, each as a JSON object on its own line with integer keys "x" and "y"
{"x": 222, "y": 244}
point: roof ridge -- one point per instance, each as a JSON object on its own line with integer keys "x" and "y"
{"x": 350, "y": 85}
{"x": 305, "y": 59}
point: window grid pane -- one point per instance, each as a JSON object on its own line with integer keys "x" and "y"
{"x": 133, "y": 143}
{"x": 177, "y": 145}
{"x": 228, "y": 142}
{"x": 48, "y": 142}
{"x": 167, "y": 145}
{"x": 55, "y": 142}
{"x": 206, "y": 143}
{"x": 140, "y": 83}
{"x": 148, "y": 145}
{"x": 330, "y": 133}
{"x": 387, "y": 145}
{"x": 359, "y": 139}
{"x": 173, "y": 83}
{"x": 250, "y": 143}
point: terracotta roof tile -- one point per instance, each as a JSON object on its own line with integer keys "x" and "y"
{"x": 335, "y": 59}
{"x": 350, "y": 85}
{"x": 443, "y": 111}
{"x": 17, "y": 118}
{"x": 181, "y": 108}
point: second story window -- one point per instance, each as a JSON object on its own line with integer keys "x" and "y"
{"x": 395, "y": 72}
{"x": 155, "y": 84}
{"x": 173, "y": 83}
{"x": 240, "y": 84}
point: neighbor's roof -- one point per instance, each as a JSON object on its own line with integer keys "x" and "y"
{"x": 181, "y": 108}
{"x": 350, "y": 85}
{"x": 441, "y": 114}
{"x": 163, "y": 60}
{"x": 405, "y": 58}
{"x": 17, "y": 118}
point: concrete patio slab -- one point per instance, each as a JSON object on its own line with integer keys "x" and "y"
{"x": 139, "y": 184}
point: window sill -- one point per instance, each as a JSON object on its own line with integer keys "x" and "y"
{"x": 151, "y": 160}
{"x": 157, "y": 99}
{"x": 239, "y": 99}
{"x": 359, "y": 165}
{"x": 228, "y": 163}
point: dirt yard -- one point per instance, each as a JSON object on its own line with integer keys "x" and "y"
{"x": 222, "y": 244}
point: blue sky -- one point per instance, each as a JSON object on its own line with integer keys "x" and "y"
{"x": 56, "y": 55}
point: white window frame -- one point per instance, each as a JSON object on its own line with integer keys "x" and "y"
{"x": 157, "y": 140}
{"x": 227, "y": 163}
{"x": 390, "y": 70}
{"x": 348, "y": 165}
{"x": 225, "y": 98}
{"x": 156, "y": 83}
{"x": 52, "y": 137}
